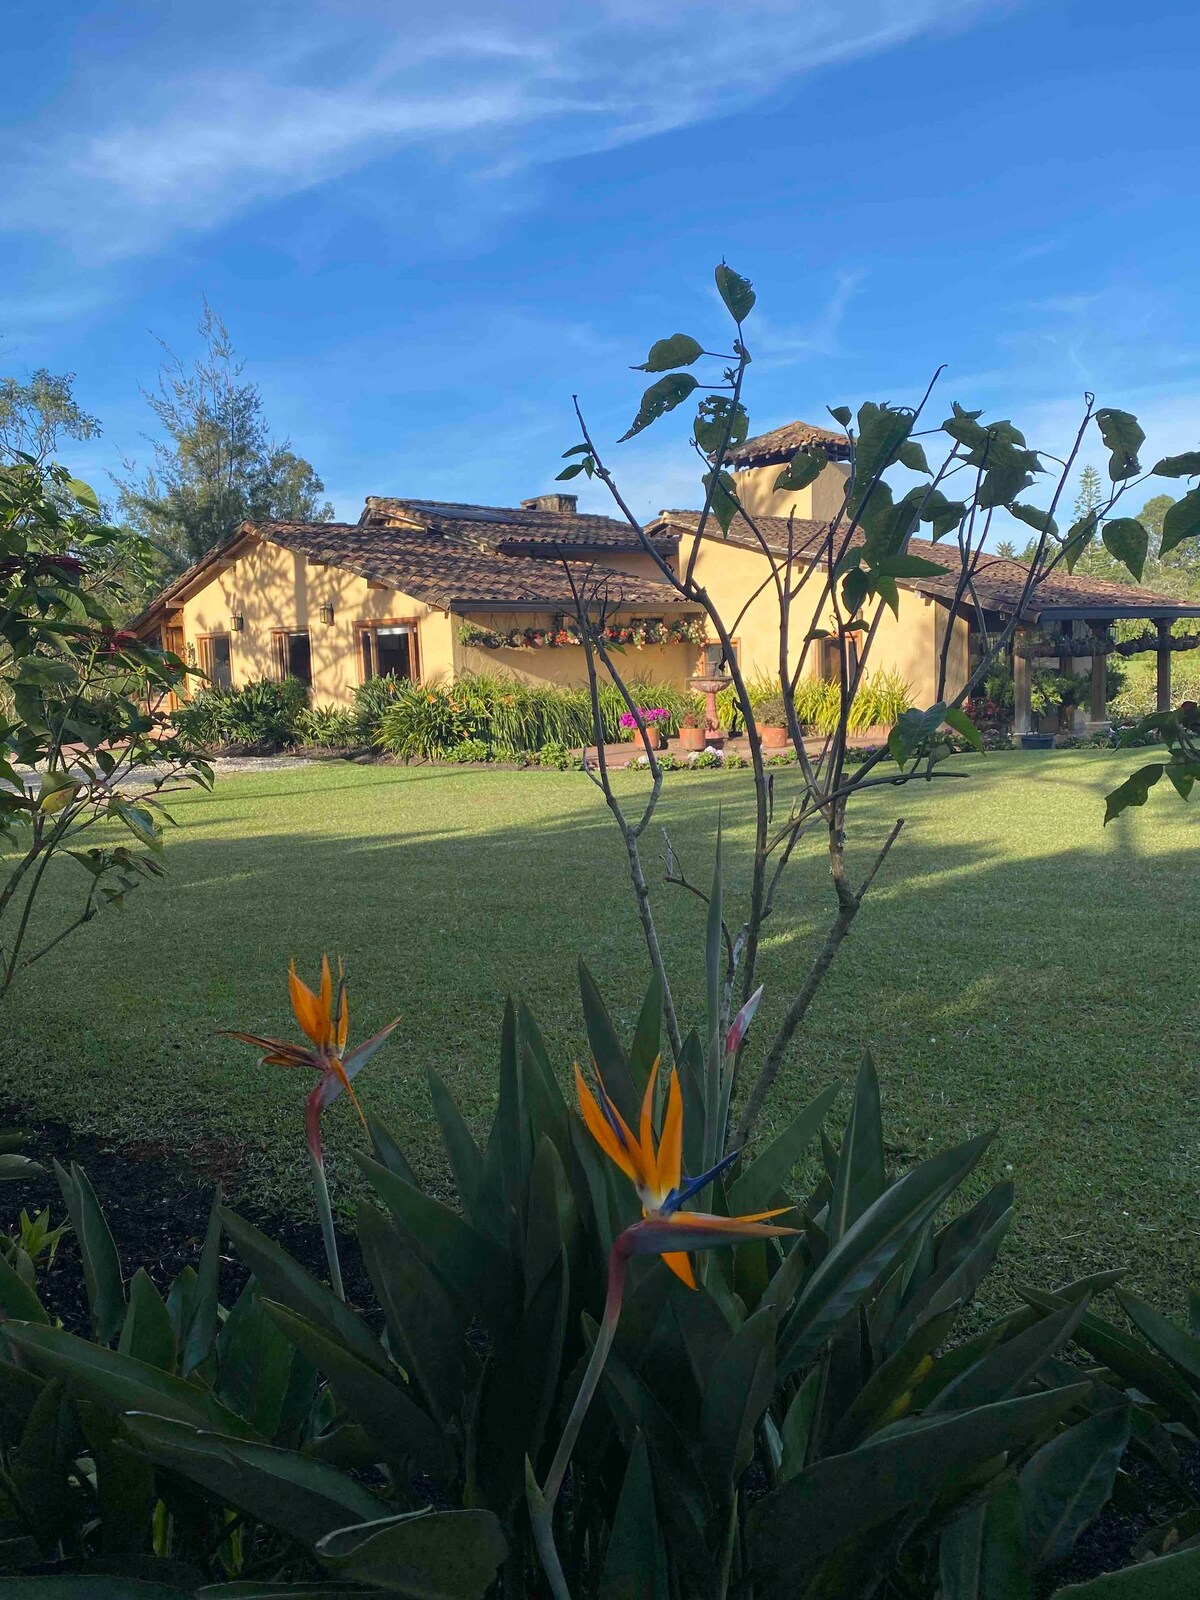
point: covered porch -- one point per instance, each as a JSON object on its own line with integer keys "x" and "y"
{"x": 1080, "y": 640}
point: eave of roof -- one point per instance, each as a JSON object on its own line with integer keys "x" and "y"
{"x": 781, "y": 444}
{"x": 998, "y": 580}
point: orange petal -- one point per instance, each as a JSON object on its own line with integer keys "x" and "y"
{"x": 343, "y": 1010}
{"x": 339, "y": 1072}
{"x": 598, "y": 1126}
{"x": 681, "y": 1267}
{"x": 306, "y": 1008}
{"x": 646, "y": 1127}
{"x": 275, "y": 1052}
{"x": 326, "y": 1001}
{"x": 670, "y": 1146}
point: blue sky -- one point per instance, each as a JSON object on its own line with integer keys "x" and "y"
{"x": 427, "y": 227}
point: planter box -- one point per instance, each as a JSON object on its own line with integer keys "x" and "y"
{"x": 1036, "y": 741}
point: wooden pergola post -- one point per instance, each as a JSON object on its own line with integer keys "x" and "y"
{"x": 1164, "y": 666}
{"x": 1099, "y": 704}
{"x": 1022, "y": 685}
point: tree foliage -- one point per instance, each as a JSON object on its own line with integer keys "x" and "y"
{"x": 215, "y": 464}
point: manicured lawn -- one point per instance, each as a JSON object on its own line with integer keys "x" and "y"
{"x": 1017, "y": 966}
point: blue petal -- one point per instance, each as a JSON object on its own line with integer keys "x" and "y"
{"x": 677, "y": 1197}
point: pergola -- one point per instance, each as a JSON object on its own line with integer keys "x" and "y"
{"x": 1069, "y": 617}
{"x": 1072, "y": 632}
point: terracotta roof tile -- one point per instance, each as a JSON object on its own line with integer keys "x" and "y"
{"x": 781, "y": 445}
{"x": 998, "y": 581}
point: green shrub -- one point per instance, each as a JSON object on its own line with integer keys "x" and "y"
{"x": 331, "y": 727}
{"x": 470, "y": 750}
{"x": 265, "y": 714}
{"x": 423, "y": 720}
{"x": 372, "y": 699}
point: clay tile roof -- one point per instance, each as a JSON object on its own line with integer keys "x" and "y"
{"x": 517, "y": 530}
{"x": 781, "y": 445}
{"x": 450, "y": 566}
{"x": 998, "y": 581}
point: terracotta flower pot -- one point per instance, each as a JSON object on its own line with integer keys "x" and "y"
{"x": 773, "y": 738}
{"x": 692, "y": 738}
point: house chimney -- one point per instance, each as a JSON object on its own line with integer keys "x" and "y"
{"x": 564, "y": 504}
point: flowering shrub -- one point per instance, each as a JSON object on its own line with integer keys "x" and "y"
{"x": 649, "y": 716}
{"x": 638, "y": 633}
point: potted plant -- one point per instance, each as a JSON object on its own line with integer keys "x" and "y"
{"x": 654, "y": 720}
{"x": 771, "y": 717}
{"x": 691, "y": 733}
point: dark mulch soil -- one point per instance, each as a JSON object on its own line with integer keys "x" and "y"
{"x": 157, "y": 1206}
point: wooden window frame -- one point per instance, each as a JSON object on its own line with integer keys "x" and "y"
{"x": 372, "y": 625}
{"x": 204, "y": 652}
{"x": 279, "y": 651}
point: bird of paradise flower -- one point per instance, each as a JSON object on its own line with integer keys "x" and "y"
{"x": 666, "y": 1229}
{"x": 324, "y": 1019}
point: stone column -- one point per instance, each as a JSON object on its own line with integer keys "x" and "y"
{"x": 1164, "y": 666}
{"x": 1022, "y": 710}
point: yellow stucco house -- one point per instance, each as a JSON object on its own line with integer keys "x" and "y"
{"x": 430, "y": 590}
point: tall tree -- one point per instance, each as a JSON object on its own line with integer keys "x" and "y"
{"x": 37, "y": 415}
{"x": 1096, "y": 562}
{"x": 216, "y": 465}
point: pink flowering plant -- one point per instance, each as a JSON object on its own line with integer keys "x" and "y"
{"x": 649, "y": 715}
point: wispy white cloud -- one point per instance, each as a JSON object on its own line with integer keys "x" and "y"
{"x": 480, "y": 90}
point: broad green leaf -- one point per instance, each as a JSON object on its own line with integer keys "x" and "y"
{"x": 517, "y": 1394}
{"x": 768, "y": 1174}
{"x": 680, "y": 350}
{"x": 117, "y": 1382}
{"x": 862, "y": 1258}
{"x": 983, "y": 1553}
{"x": 1135, "y": 791}
{"x": 841, "y": 1498}
{"x": 295, "y": 1495}
{"x": 720, "y": 425}
{"x": 466, "y": 1162}
{"x": 1034, "y": 517}
{"x": 961, "y": 723}
{"x": 720, "y": 493}
{"x": 1124, "y": 438}
{"x": 387, "y": 1149}
{"x": 635, "y": 1562}
{"x": 201, "y": 1335}
{"x": 553, "y": 1226}
{"x": 912, "y": 455}
{"x": 424, "y": 1555}
{"x": 736, "y": 292}
{"x": 91, "y": 1586}
{"x": 283, "y": 1279}
{"x": 1185, "y": 466}
{"x": 1068, "y": 1483}
{"x": 425, "y": 1332}
{"x": 1126, "y": 540}
{"x": 660, "y": 398}
{"x": 147, "y": 1335}
{"x": 1079, "y": 539}
{"x": 607, "y": 1050}
{"x": 647, "y": 1035}
{"x": 1173, "y": 1577}
{"x": 473, "y": 1268}
{"x": 840, "y": 414}
{"x": 860, "y": 1179}
{"x": 887, "y": 1393}
{"x": 1181, "y": 522}
{"x": 1007, "y": 1369}
{"x": 1180, "y": 1348}
{"x": 906, "y": 566}
{"x": 797, "y": 1426}
{"x": 260, "y": 1376}
{"x": 101, "y": 1263}
{"x": 737, "y": 1393}
{"x": 804, "y": 468}
{"x": 401, "y": 1430}
{"x": 912, "y": 729}
{"x": 18, "y": 1302}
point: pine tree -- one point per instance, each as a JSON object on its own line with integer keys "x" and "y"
{"x": 217, "y": 465}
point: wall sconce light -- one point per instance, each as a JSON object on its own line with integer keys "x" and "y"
{"x": 237, "y": 622}
{"x": 327, "y": 615}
